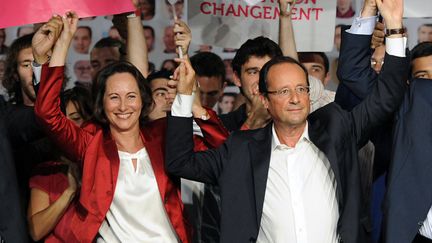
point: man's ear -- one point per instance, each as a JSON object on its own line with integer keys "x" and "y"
{"x": 327, "y": 79}
{"x": 236, "y": 79}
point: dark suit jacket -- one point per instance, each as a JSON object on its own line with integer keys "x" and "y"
{"x": 357, "y": 79}
{"x": 12, "y": 220}
{"x": 409, "y": 193}
{"x": 240, "y": 166}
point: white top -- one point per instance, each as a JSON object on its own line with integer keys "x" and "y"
{"x": 426, "y": 229}
{"x": 300, "y": 199}
{"x": 137, "y": 213}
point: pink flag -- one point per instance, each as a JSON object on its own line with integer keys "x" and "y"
{"x": 21, "y": 12}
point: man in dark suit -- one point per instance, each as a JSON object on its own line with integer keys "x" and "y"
{"x": 408, "y": 201}
{"x": 297, "y": 179}
{"x": 12, "y": 225}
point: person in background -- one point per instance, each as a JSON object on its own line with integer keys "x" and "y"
{"x": 226, "y": 103}
{"x": 18, "y": 77}
{"x": 82, "y": 70}
{"x": 54, "y": 184}
{"x": 210, "y": 74}
{"x": 424, "y": 33}
{"x": 12, "y": 223}
{"x": 147, "y": 8}
{"x": 114, "y": 34}
{"x": 344, "y": 9}
{"x": 3, "y": 47}
{"x": 178, "y": 8}
{"x": 169, "y": 65}
{"x": 82, "y": 40}
{"x": 149, "y": 34}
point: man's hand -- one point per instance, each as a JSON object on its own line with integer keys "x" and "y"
{"x": 392, "y": 12}
{"x": 285, "y": 7}
{"x": 258, "y": 116}
{"x": 45, "y": 38}
{"x": 378, "y": 35}
{"x": 369, "y": 8}
{"x": 186, "y": 76}
{"x": 182, "y": 35}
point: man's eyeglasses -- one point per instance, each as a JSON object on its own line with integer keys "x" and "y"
{"x": 300, "y": 90}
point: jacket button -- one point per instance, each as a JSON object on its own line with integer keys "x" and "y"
{"x": 165, "y": 200}
{"x": 420, "y": 223}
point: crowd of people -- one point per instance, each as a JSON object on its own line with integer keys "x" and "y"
{"x": 135, "y": 154}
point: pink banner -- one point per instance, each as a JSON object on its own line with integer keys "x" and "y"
{"x": 21, "y": 12}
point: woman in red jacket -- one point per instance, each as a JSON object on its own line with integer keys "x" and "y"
{"x": 126, "y": 195}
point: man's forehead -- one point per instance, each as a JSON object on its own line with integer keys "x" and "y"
{"x": 256, "y": 61}
{"x": 422, "y": 64}
{"x": 311, "y": 58}
{"x": 289, "y": 72}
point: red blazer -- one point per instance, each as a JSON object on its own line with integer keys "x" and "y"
{"x": 98, "y": 155}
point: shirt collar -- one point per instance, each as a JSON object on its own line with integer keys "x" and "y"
{"x": 276, "y": 143}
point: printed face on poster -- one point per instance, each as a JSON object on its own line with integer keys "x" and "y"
{"x": 229, "y": 23}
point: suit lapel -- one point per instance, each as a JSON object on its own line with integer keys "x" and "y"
{"x": 111, "y": 151}
{"x": 259, "y": 152}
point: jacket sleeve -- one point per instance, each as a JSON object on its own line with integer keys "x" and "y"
{"x": 213, "y": 130}
{"x": 357, "y": 77}
{"x": 182, "y": 161}
{"x": 69, "y": 137}
{"x": 384, "y": 100}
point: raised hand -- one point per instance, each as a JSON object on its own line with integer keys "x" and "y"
{"x": 186, "y": 76}
{"x": 44, "y": 39}
{"x": 70, "y": 22}
{"x": 183, "y": 35}
{"x": 378, "y": 35}
{"x": 258, "y": 116}
{"x": 392, "y": 12}
{"x": 285, "y": 7}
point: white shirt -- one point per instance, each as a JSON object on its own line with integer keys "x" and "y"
{"x": 300, "y": 199}
{"x": 137, "y": 213}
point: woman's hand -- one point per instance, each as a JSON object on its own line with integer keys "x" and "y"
{"x": 70, "y": 22}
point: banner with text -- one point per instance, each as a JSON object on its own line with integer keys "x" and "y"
{"x": 21, "y": 12}
{"x": 229, "y": 23}
{"x": 418, "y": 8}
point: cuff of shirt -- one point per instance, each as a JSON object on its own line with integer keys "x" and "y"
{"x": 363, "y": 26}
{"x": 182, "y": 105}
{"x": 396, "y": 46}
{"x": 37, "y": 71}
